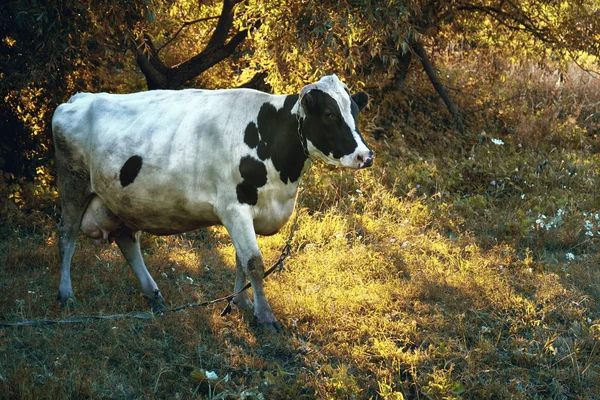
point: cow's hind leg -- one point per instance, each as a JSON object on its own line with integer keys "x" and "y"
{"x": 74, "y": 192}
{"x": 68, "y": 230}
{"x": 129, "y": 243}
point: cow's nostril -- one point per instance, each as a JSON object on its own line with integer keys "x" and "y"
{"x": 359, "y": 158}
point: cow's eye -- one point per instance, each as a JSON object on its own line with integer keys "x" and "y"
{"x": 329, "y": 115}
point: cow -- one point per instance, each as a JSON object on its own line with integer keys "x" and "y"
{"x": 171, "y": 161}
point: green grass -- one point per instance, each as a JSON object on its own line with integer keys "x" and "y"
{"x": 455, "y": 268}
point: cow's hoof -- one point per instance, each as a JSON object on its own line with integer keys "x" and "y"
{"x": 66, "y": 301}
{"x": 272, "y": 326}
{"x": 157, "y": 303}
{"x": 158, "y": 307}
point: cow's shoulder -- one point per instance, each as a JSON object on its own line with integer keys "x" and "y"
{"x": 273, "y": 133}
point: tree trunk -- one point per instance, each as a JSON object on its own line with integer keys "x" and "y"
{"x": 258, "y": 82}
{"x": 431, "y": 72}
{"x": 155, "y": 71}
{"x": 159, "y": 76}
{"x": 404, "y": 61}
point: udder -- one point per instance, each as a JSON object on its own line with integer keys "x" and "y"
{"x": 98, "y": 221}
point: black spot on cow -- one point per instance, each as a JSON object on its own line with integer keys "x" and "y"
{"x": 251, "y": 135}
{"x": 130, "y": 170}
{"x": 276, "y": 137}
{"x": 263, "y": 150}
{"x": 247, "y": 194}
{"x": 254, "y": 175}
{"x": 278, "y": 129}
{"x": 253, "y": 171}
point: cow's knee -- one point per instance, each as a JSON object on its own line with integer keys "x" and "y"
{"x": 255, "y": 267}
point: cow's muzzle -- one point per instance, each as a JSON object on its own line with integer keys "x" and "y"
{"x": 364, "y": 159}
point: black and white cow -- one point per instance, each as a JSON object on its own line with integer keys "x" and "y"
{"x": 167, "y": 162}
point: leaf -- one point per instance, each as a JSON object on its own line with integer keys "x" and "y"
{"x": 457, "y": 388}
{"x": 198, "y": 374}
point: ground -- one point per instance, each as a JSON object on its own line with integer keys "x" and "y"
{"x": 459, "y": 266}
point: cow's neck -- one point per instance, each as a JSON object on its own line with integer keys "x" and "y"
{"x": 288, "y": 150}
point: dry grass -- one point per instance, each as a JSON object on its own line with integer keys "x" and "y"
{"x": 456, "y": 268}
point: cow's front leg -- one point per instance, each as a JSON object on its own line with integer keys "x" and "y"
{"x": 129, "y": 243}
{"x": 255, "y": 270}
{"x": 242, "y": 300}
{"x": 241, "y": 229}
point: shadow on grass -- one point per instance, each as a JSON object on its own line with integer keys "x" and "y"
{"x": 170, "y": 356}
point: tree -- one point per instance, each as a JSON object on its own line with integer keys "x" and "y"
{"x": 374, "y": 44}
{"x": 218, "y": 47}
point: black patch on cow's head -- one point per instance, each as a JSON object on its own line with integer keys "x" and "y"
{"x": 254, "y": 175}
{"x": 324, "y": 124}
{"x": 130, "y": 170}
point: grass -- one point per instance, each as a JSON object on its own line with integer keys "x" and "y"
{"x": 456, "y": 268}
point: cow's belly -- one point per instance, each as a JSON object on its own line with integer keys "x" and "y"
{"x": 164, "y": 204}
{"x": 167, "y": 223}
{"x": 172, "y": 218}
{"x": 160, "y": 210}
{"x": 160, "y": 216}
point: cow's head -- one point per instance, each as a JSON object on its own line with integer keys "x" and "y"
{"x": 328, "y": 112}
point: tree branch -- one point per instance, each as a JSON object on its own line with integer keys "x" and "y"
{"x": 194, "y": 66}
{"x": 159, "y": 76}
{"x": 186, "y": 23}
{"x": 152, "y": 67}
{"x": 431, "y": 72}
{"x": 223, "y": 25}
{"x": 503, "y": 17}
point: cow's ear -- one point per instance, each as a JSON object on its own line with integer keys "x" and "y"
{"x": 361, "y": 99}
{"x": 307, "y": 101}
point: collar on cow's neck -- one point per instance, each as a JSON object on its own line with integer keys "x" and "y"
{"x": 300, "y": 115}
{"x": 303, "y": 139}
